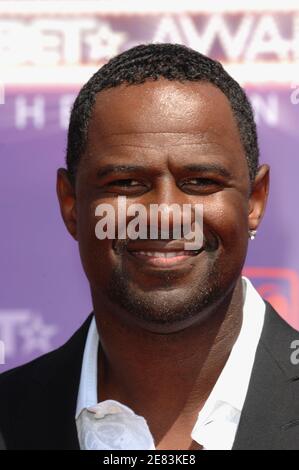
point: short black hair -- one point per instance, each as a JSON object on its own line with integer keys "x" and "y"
{"x": 151, "y": 62}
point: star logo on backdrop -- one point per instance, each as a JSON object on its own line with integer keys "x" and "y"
{"x": 103, "y": 43}
{"x": 37, "y": 335}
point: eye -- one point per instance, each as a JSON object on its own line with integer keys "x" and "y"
{"x": 202, "y": 185}
{"x": 125, "y": 183}
{"x": 125, "y": 186}
{"x": 201, "y": 181}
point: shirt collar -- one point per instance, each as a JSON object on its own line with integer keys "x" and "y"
{"x": 88, "y": 395}
{"x": 237, "y": 369}
{"x": 224, "y": 404}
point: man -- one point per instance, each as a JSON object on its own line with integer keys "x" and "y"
{"x": 180, "y": 351}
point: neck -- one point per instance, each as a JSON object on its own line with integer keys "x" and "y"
{"x": 147, "y": 371}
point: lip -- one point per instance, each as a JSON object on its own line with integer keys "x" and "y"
{"x": 161, "y": 261}
{"x": 160, "y": 254}
{"x": 157, "y": 245}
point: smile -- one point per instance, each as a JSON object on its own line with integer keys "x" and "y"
{"x": 164, "y": 259}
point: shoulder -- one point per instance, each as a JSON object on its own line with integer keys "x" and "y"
{"x": 45, "y": 387}
{"x": 22, "y": 380}
{"x": 12, "y": 380}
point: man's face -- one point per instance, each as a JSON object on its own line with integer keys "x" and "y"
{"x": 163, "y": 142}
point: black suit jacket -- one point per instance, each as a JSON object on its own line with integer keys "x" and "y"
{"x": 38, "y": 400}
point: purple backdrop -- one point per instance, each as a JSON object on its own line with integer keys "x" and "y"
{"x": 44, "y": 293}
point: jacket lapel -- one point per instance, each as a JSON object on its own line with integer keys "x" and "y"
{"x": 270, "y": 415}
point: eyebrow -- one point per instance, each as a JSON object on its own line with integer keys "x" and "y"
{"x": 208, "y": 168}
{"x": 108, "y": 169}
{"x": 194, "y": 168}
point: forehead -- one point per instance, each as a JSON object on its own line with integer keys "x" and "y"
{"x": 162, "y": 114}
{"x": 178, "y": 107}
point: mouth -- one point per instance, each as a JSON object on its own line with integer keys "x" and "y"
{"x": 163, "y": 259}
{"x": 161, "y": 254}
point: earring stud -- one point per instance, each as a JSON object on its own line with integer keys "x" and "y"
{"x": 252, "y": 234}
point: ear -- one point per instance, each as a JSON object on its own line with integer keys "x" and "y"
{"x": 258, "y": 197}
{"x": 67, "y": 200}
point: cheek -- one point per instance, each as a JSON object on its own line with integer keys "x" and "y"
{"x": 96, "y": 255}
{"x": 226, "y": 215}
{"x": 227, "y": 220}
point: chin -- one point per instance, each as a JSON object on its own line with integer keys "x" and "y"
{"x": 161, "y": 310}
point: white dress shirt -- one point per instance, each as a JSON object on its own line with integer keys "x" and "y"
{"x": 111, "y": 425}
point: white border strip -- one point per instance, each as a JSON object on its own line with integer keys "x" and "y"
{"x": 102, "y": 7}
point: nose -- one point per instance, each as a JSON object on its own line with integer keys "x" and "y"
{"x": 163, "y": 204}
{"x": 170, "y": 213}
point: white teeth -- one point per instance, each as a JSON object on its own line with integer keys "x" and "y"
{"x": 160, "y": 254}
